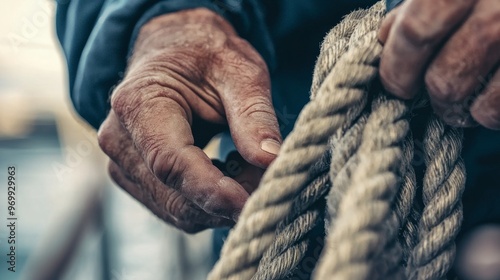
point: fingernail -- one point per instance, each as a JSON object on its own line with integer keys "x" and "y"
{"x": 271, "y": 146}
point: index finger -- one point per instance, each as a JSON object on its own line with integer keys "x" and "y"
{"x": 159, "y": 127}
{"x": 414, "y": 37}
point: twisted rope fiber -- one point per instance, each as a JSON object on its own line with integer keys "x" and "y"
{"x": 337, "y": 104}
{"x": 365, "y": 225}
{"x": 371, "y": 158}
{"x": 334, "y": 45}
{"x": 291, "y": 244}
{"x": 345, "y": 158}
{"x": 404, "y": 205}
{"x": 443, "y": 185}
{"x": 434, "y": 260}
{"x": 349, "y": 32}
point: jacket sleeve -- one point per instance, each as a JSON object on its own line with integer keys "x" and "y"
{"x": 97, "y": 37}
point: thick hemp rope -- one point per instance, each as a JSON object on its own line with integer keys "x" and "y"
{"x": 375, "y": 230}
{"x": 444, "y": 183}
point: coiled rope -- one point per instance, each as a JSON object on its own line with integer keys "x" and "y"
{"x": 353, "y": 142}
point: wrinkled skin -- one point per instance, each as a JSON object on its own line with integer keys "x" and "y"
{"x": 186, "y": 66}
{"x": 191, "y": 67}
{"x": 453, "y": 47}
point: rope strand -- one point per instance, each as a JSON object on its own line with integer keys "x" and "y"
{"x": 444, "y": 183}
{"x": 374, "y": 227}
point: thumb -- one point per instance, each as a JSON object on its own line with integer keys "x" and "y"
{"x": 252, "y": 120}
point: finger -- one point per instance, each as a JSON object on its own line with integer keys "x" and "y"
{"x": 468, "y": 56}
{"x": 386, "y": 25}
{"x": 160, "y": 130}
{"x": 199, "y": 220}
{"x": 486, "y": 108}
{"x": 418, "y": 29}
{"x": 134, "y": 177}
{"x": 246, "y": 96}
{"x": 244, "y": 173}
{"x": 136, "y": 192}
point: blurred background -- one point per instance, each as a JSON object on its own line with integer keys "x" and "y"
{"x": 72, "y": 222}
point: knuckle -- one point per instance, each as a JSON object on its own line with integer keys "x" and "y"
{"x": 441, "y": 89}
{"x": 165, "y": 163}
{"x": 257, "y": 107}
{"x": 416, "y": 31}
{"x": 125, "y": 105}
{"x": 120, "y": 99}
{"x": 133, "y": 93}
{"x": 177, "y": 206}
{"x": 105, "y": 137}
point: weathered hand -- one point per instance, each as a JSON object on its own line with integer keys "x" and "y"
{"x": 188, "y": 72}
{"x": 452, "y": 46}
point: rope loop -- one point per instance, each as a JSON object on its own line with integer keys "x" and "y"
{"x": 352, "y": 147}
